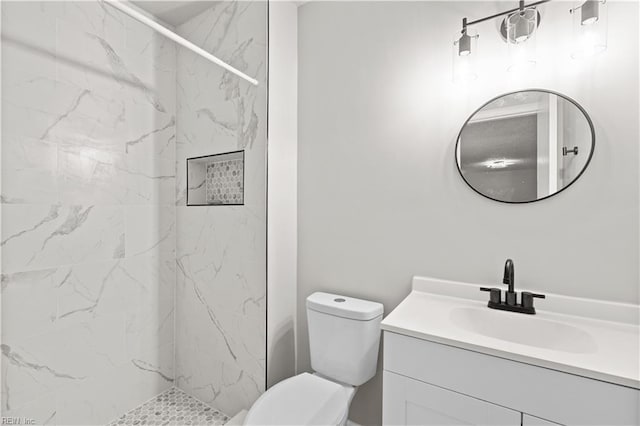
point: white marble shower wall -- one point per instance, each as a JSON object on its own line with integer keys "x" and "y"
{"x": 88, "y": 212}
{"x": 221, "y": 250}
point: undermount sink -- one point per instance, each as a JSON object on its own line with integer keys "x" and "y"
{"x": 524, "y": 330}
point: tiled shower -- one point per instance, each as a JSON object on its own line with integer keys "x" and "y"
{"x": 114, "y": 290}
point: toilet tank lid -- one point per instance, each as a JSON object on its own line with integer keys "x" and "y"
{"x": 343, "y": 306}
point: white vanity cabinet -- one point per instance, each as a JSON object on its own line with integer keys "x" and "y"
{"x": 412, "y": 402}
{"x": 429, "y": 383}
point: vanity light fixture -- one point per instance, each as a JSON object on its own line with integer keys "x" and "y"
{"x": 589, "y": 12}
{"x": 464, "y": 54}
{"x": 518, "y": 31}
{"x": 521, "y": 38}
{"x": 589, "y": 28}
{"x": 464, "y": 42}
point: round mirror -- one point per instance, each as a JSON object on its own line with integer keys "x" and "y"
{"x": 525, "y": 146}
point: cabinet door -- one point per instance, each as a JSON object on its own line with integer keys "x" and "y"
{"x": 407, "y": 401}
{"x": 528, "y": 420}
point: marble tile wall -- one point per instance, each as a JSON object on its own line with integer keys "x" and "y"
{"x": 88, "y": 212}
{"x": 221, "y": 250}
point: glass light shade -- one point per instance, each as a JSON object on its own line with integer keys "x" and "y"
{"x": 465, "y": 51}
{"x": 589, "y": 28}
{"x": 521, "y": 39}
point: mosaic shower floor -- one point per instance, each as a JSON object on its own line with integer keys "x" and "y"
{"x": 172, "y": 407}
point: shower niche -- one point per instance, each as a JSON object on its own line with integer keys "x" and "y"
{"x": 216, "y": 180}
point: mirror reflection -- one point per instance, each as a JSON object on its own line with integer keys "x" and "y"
{"x": 525, "y": 146}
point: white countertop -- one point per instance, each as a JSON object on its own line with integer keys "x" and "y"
{"x": 608, "y": 334}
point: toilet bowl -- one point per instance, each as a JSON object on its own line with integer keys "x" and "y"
{"x": 305, "y": 399}
{"x": 344, "y": 339}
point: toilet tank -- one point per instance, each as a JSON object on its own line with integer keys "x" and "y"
{"x": 344, "y": 337}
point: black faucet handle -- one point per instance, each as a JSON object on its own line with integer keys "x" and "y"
{"x": 527, "y": 299}
{"x": 495, "y": 294}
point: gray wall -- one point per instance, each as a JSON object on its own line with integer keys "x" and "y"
{"x": 380, "y": 199}
{"x": 282, "y": 180}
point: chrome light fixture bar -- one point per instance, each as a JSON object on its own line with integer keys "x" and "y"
{"x": 178, "y": 39}
{"x": 521, "y": 7}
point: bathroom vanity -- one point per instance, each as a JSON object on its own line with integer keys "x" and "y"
{"x": 448, "y": 359}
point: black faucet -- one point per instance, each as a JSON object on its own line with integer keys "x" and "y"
{"x": 509, "y": 272}
{"x": 509, "y": 279}
{"x": 511, "y": 296}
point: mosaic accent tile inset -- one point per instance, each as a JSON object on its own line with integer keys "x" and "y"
{"x": 172, "y": 407}
{"x": 224, "y": 183}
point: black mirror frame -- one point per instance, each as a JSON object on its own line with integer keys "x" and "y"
{"x": 577, "y": 105}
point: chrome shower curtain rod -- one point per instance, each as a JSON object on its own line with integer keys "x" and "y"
{"x": 176, "y": 38}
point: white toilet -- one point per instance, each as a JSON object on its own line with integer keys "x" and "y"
{"x": 344, "y": 336}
